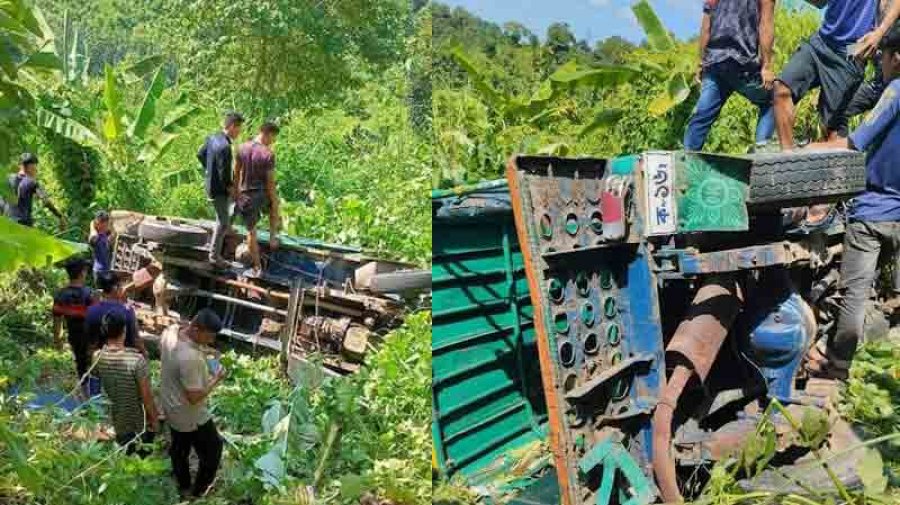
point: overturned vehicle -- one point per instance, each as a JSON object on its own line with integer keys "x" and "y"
{"x": 672, "y": 300}
{"x": 311, "y": 297}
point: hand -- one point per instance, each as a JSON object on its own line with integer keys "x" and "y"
{"x": 153, "y": 424}
{"x": 866, "y": 46}
{"x": 768, "y": 77}
{"x": 62, "y": 222}
{"x": 273, "y": 241}
{"x": 698, "y": 74}
{"x": 219, "y": 375}
{"x": 233, "y": 193}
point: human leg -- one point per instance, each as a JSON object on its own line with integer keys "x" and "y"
{"x": 221, "y": 205}
{"x": 179, "y": 452}
{"x": 713, "y": 96}
{"x": 862, "y": 245}
{"x": 796, "y": 79}
{"x": 751, "y": 88}
{"x": 208, "y": 445}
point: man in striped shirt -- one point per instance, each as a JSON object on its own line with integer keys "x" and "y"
{"x": 125, "y": 378}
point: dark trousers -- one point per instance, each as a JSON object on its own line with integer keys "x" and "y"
{"x": 136, "y": 446}
{"x": 864, "y": 242}
{"x": 207, "y": 443}
{"x": 221, "y": 204}
{"x": 81, "y": 352}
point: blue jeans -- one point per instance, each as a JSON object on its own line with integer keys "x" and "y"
{"x": 717, "y": 85}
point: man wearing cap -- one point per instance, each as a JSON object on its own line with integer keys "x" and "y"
{"x": 873, "y": 222}
{"x": 24, "y": 186}
{"x": 187, "y": 381}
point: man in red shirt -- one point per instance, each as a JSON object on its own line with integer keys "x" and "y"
{"x": 70, "y": 306}
{"x": 255, "y": 180}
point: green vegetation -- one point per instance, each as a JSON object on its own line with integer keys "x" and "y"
{"x": 614, "y": 98}
{"x": 115, "y": 97}
{"x": 382, "y": 415}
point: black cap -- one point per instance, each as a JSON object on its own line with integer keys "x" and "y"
{"x": 208, "y": 320}
{"x": 891, "y": 40}
{"x": 101, "y": 215}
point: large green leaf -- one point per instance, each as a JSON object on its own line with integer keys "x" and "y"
{"x": 156, "y": 147}
{"x": 68, "y": 128}
{"x": 600, "y": 75}
{"x": 479, "y": 78}
{"x": 148, "y": 108}
{"x": 605, "y": 118}
{"x": 145, "y": 67}
{"x": 658, "y": 37}
{"x": 112, "y": 126}
{"x": 179, "y": 117}
{"x": 23, "y": 246}
{"x": 677, "y": 91}
{"x": 43, "y": 60}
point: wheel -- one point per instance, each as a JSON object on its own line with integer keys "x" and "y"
{"x": 398, "y": 282}
{"x": 802, "y": 178}
{"x": 172, "y": 233}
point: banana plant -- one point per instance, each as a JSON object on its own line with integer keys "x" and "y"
{"x": 123, "y": 137}
{"x": 665, "y": 58}
{"x": 22, "y": 246}
{"x": 27, "y": 49}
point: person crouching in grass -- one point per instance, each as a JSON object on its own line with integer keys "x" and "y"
{"x": 124, "y": 376}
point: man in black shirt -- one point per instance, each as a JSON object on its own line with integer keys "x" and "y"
{"x": 216, "y": 158}
{"x": 25, "y": 187}
{"x": 70, "y": 305}
{"x": 736, "y": 38}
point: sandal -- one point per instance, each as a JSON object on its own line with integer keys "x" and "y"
{"x": 819, "y": 366}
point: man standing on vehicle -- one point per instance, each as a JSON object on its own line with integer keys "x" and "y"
{"x": 216, "y": 157}
{"x": 833, "y": 60}
{"x": 255, "y": 177}
{"x": 873, "y": 221}
{"x": 25, "y": 187}
{"x": 736, "y": 39}
{"x": 70, "y": 306}
{"x": 187, "y": 381}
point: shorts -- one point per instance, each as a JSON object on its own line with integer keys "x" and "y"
{"x": 818, "y": 65}
{"x": 250, "y": 206}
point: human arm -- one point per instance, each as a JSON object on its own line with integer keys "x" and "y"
{"x": 238, "y": 173}
{"x": 201, "y": 154}
{"x": 197, "y": 395}
{"x": 150, "y": 412}
{"x": 705, "y": 23}
{"x": 766, "y": 41}
{"x": 868, "y": 43}
{"x": 57, "y": 330}
{"x": 274, "y": 217}
{"x": 45, "y": 199}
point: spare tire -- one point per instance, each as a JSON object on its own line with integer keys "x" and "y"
{"x": 805, "y": 177}
{"x": 172, "y": 233}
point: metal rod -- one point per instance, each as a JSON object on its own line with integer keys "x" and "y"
{"x": 236, "y": 301}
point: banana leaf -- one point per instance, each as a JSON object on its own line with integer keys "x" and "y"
{"x": 21, "y": 246}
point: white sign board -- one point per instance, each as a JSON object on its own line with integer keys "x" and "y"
{"x": 661, "y": 217}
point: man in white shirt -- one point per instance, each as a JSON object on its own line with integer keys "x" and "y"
{"x": 186, "y": 383}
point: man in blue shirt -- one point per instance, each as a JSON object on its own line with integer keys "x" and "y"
{"x": 833, "y": 60}
{"x": 874, "y": 220}
{"x": 101, "y": 240}
{"x": 112, "y": 300}
{"x": 216, "y": 157}
{"x": 24, "y": 186}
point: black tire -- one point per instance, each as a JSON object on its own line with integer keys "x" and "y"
{"x": 400, "y": 282}
{"x": 802, "y": 178}
{"x": 171, "y": 233}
